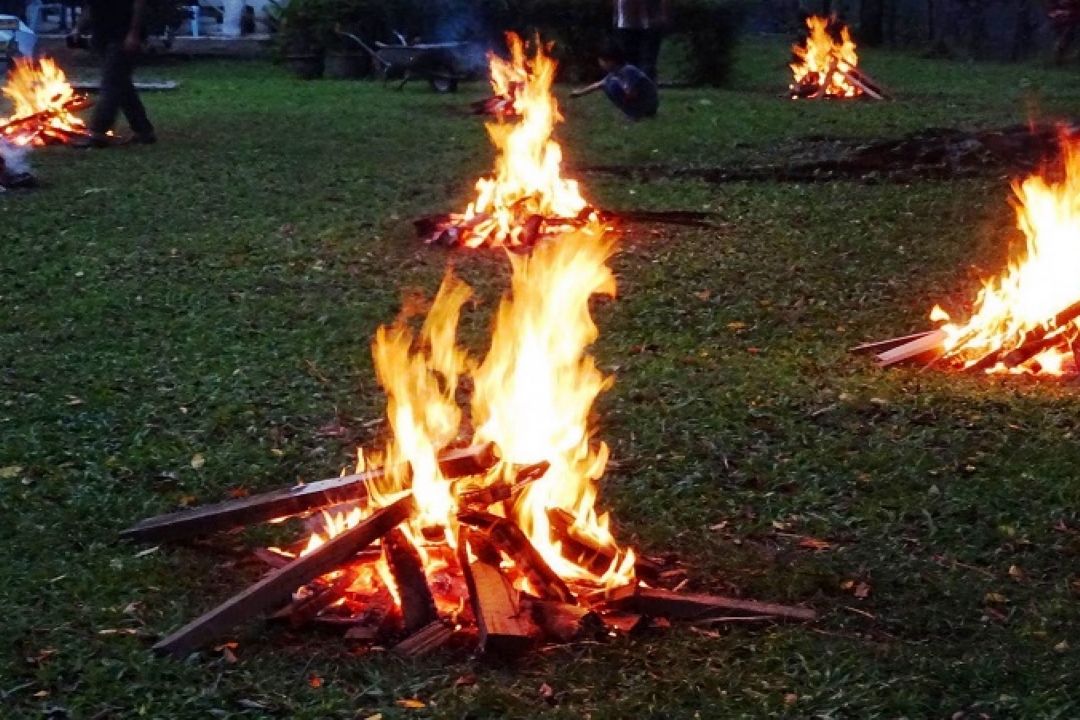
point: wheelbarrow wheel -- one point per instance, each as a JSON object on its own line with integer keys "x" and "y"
{"x": 443, "y": 84}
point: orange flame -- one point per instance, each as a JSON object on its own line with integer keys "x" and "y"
{"x": 528, "y": 179}
{"x": 1037, "y": 285}
{"x": 40, "y": 90}
{"x": 822, "y": 60}
{"x": 532, "y": 395}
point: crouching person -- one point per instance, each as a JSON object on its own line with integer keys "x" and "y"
{"x": 626, "y": 85}
{"x": 116, "y": 28}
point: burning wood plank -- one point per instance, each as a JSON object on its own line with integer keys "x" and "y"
{"x": 297, "y": 500}
{"x": 930, "y": 343}
{"x": 417, "y": 603}
{"x": 510, "y": 539}
{"x": 279, "y": 584}
{"x": 301, "y": 612}
{"x": 825, "y": 63}
{"x": 504, "y": 628}
{"x": 880, "y": 346}
{"x": 562, "y": 622}
{"x": 425, "y": 640}
{"x": 587, "y": 552}
{"x": 693, "y": 606}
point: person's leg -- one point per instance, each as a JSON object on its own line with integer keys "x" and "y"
{"x": 650, "y": 52}
{"x": 134, "y": 111}
{"x": 630, "y": 40}
{"x": 112, "y": 90}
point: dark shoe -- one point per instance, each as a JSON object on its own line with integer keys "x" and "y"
{"x": 91, "y": 140}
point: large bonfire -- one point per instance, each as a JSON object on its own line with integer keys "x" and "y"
{"x": 526, "y": 198}
{"x": 1026, "y": 319}
{"x": 43, "y": 104}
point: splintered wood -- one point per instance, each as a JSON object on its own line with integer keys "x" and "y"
{"x": 491, "y": 612}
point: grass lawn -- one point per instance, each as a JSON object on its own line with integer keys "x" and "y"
{"x": 216, "y": 295}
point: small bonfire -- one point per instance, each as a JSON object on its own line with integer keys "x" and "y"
{"x": 480, "y": 529}
{"x": 1027, "y": 319}
{"x": 825, "y": 64}
{"x": 527, "y": 198}
{"x": 44, "y": 105}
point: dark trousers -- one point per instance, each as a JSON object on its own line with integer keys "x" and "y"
{"x": 118, "y": 93}
{"x": 642, "y": 49}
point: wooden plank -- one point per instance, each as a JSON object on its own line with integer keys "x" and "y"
{"x": 504, "y": 628}
{"x": 286, "y": 502}
{"x": 562, "y": 622}
{"x": 880, "y": 346}
{"x": 417, "y": 602}
{"x": 301, "y": 612}
{"x": 426, "y": 640}
{"x": 583, "y": 550}
{"x": 862, "y": 79}
{"x": 693, "y": 606}
{"x": 931, "y": 343}
{"x": 279, "y": 585}
{"x": 510, "y": 539}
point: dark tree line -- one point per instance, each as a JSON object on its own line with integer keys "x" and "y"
{"x": 984, "y": 29}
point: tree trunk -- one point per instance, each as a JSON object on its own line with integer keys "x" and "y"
{"x": 871, "y": 22}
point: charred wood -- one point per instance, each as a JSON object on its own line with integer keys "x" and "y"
{"x": 561, "y": 622}
{"x": 279, "y": 584}
{"x": 417, "y": 603}
{"x": 510, "y": 539}
{"x": 505, "y": 630}
{"x": 694, "y": 606}
{"x": 585, "y": 551}
{"x": 426, "y": 640}
{"x": 286, "y": 502}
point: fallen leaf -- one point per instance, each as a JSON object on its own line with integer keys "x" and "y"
{"x": 790, "y": 698}
{"x": 736, "y": 325}
{"x": 1016, "y": 572}
{"x": 1062, "y": 646}
{"x": 147, "y": 551}
{"x": 466, "y": 680}
{"x": 995, "y": 598}
{"x": 411, "y": 703}
{"x": 547, "y": 694}
{"x": 197, "y": 461}
{"x": 186, "y": 500}
{"x": 253, "y": 704}
{"x": 118, "y": 631}
{"x": 10, "y": 471}
{"x": 815, "y": 543}
{"x": 862, "y": 591}
{"x": 238, "y": 492}
{"x": 315, "y": 681}
{"x": 703, "y": 295}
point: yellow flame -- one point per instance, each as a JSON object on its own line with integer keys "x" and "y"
{"x": 1038, "y": 283}
{"x": 528, "y": 170}
{"x": 36, "y": 87}
{"x": 821, "y": 60}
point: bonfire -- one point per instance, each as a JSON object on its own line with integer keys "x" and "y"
{"x": 1027, "y": 319}
{"x": 486, "y": 520}
{"x": 43, "y": 103}
{"x": 825, "y": 63}
{"x": 527, "y": 198}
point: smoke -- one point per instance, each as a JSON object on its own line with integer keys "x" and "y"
{"x": 14, "y": 158}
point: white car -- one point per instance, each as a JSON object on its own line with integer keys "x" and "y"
{"x": 16, "y": 39}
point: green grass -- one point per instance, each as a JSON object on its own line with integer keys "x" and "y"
{"x": 217, "y": 293}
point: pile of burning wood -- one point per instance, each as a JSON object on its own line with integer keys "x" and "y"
{"x": 497, "y": 545}
{"x": 1026, "y": 320}
{"x": 825, "y": 64}
{"x": 43, "y": 103}
{"x": 526, "y": 199}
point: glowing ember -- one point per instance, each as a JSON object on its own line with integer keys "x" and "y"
{"x": 43, "y": 103}
{"x": 823, "y": 60}
{"x": 526, "y": 198}
{"x": 531, "y": 399}
{"x": 1025, "y": 320}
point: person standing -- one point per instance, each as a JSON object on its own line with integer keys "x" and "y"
{"x": 116, "y": 28}
{"x": 640, "y": 26}
{"x": 1065, "y": 19}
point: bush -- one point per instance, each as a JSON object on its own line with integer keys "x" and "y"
{"x": 578, "y": 28}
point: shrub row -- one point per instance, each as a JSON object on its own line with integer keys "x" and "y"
{"x": 709, "y": 28}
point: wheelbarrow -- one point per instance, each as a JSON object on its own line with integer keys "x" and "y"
{"x": 443, "y": 65}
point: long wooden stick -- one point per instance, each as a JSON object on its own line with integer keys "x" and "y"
{"x": 286, "y": 502}
{"x": 880, "y": 346}
{"x": 693, "y": 606}
{"x": 278, "y": 585}
{"x": 930, "y": 343}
